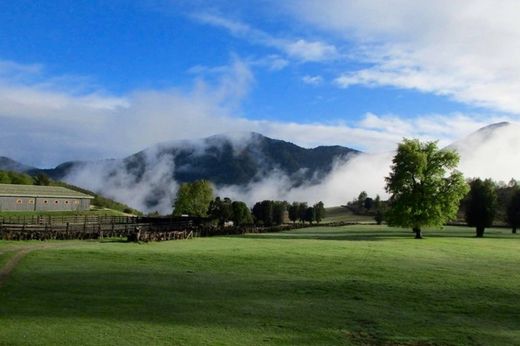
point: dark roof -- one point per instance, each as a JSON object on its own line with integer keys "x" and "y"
{"x": 14, "y": 190}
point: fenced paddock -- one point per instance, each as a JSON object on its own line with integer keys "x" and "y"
{"x": 96, "y": 227}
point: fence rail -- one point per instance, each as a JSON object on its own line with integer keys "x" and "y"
{"x": 69, "y": 219}
{"x": 132, "y": 231}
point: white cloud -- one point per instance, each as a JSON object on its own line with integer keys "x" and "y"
{"x": 299, "y": 49}
{"x": 45, "y": 127}
{"x": 466, "y": 49}
{"x": 312, "y": 80}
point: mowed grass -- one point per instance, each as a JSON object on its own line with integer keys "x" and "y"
{"x": 354, "y": 285}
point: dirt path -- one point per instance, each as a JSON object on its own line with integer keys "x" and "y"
{"x": 6, "y": 270}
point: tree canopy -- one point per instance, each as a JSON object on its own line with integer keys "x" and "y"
{"x": 481, "y": 205}
{"x": 193, "y": 198}
{"x": 513, "y": 211}
{"x": 425, "y": 188}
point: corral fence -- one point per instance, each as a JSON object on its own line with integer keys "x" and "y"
{"x": 130, "y": 227}
{"x": 98, "y": 227}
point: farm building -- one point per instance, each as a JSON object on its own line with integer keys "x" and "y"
{"x": 41, "y": 198}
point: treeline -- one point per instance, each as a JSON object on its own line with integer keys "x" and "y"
{"x": 486, "y": 204}
{"x": 9, "y": 177}
{"x": 196, "y": 199}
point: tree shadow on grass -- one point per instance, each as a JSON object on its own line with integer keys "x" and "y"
{"x": 373, "y": 235}
{"x": 303, "y": 311}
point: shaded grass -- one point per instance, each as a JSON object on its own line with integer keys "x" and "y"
{"x": 312, "y": 286}
{"x": 342, "y": 214}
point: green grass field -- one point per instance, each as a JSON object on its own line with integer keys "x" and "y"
{"x": 354, "y": 285}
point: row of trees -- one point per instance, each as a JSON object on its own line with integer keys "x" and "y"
{"x": 9, "y": 177}
{"x": 426, "y": 190}
{"x": 196, "y": 199}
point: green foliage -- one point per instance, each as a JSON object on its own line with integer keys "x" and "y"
{"x": 310, "y": 215}
{"x": 319, "y": 211}
{"x": 269, "y": 213}
{"x": 379, "y": 217}
{"x": 279, "y": 209}
{"x": 421, "y": 192}
{"x": 263, "y": 213}
{"x": 193, "y": 198}
{"x": 42, "y": 179}
{"x": 481, "y": 205}
{"x": 9, "y": 177}
{"x": 293, "y": 211}
{"x": 513, "y": 210}
{"x": 302, "y": 211}
{"x": 241, "y": 214}
{"x": 221, "y": 210}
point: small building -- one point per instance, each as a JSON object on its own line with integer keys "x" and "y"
{"x": 42, "y": 198}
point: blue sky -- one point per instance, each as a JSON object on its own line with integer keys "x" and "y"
{"x": 361, "y": 74}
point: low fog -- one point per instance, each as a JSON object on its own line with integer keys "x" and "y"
{"x": 492, "y": 152}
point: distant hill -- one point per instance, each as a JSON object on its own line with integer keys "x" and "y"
{"x": 226, "y": 160}
{"x": 7, "y": 164}
{"x": 231, "y": 159}
{"x": 491, "y": 152}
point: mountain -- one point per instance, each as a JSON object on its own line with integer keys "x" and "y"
{"x": 147, "y": 180}
{"x": 7, "y": 164}
{"x": 491, "y": 152}
{"x": 224, "y": 160}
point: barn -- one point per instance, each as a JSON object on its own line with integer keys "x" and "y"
{"x": 42, "y": 198}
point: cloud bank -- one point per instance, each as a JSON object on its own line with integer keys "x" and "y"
{"x": 465, "y": 49}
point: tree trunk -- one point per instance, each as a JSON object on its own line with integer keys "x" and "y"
{"x": 417, "y": 231}
{"x": 514, "y": 230}
{"x": 480, "y": 232}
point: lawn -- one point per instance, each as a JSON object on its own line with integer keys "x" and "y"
{"x": 354, "y": 285}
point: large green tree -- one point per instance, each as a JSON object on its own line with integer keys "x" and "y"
{"x": 425, "y": 188}
{"x": 193, "y": 198}
{"x": 481, "y": 205}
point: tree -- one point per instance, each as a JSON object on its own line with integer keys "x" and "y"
{"x": 513, "y": 211}
{"x": 263, "y": 212}
{"x": 42, "y": 179}
{"x": 302, "y": 210}
{"x": 310, "y": 215}
{"x": 193, "y": 198}
{"x": 293, "y": 211}
{"x": 369, "y": 203}
{"x": 379, "y": 216}
{"x": 319, "y": 209}
{"x": 279, "y": 208}
{"x": 360, "y": 203}
{"x": 377, "y": 203}
{"x": 241, "y": 214}
{"x": 481, "y": 205}
{"x": 422, "y": 194}
{"x": 221, "y": 210}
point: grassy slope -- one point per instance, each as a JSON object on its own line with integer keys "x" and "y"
{"x": 350, "y": 285}
{"x": 339, "y": 214}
